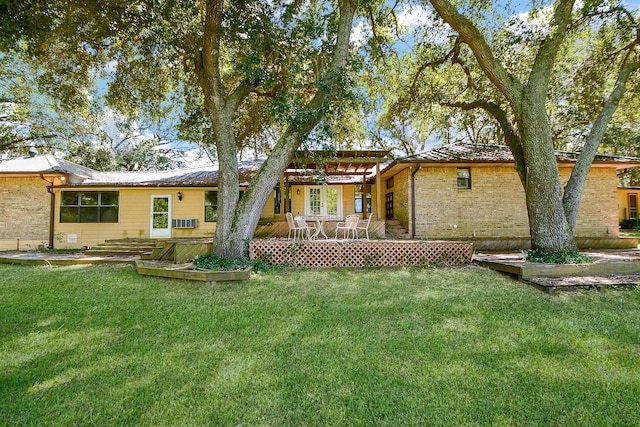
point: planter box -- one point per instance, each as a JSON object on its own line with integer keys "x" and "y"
{"x": 174, "y": 271}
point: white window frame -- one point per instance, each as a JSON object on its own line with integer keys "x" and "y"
{"x": 323, "y": 199}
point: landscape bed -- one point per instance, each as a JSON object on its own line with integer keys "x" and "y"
{"x": 188, "y": 271}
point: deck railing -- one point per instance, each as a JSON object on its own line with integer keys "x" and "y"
{"x": 359, "y": 253}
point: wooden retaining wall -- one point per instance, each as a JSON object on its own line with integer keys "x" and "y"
{"x": 353, "y": 253}
{"x": 522, "y": 243}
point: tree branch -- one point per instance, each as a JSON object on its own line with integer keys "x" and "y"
{"x": 542, "y": 67}
{"x": 506, "y": 83}
{"x": 511, "y": 137}
{"x": 375, "y": 34}
{"x": 573, "y": 189}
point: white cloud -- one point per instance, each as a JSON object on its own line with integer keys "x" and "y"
{"x": 360, "y": 33}
{"x": 413, "y": 16}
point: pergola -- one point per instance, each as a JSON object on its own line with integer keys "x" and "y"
{"x": 348, "y": 163}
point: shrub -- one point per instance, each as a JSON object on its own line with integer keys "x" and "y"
{"x": 630, "y": 224}
{"x": 214, "y": 263}
{"x": 560, "y": 257}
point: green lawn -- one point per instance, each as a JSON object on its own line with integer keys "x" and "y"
{"x": 103, "y": 346}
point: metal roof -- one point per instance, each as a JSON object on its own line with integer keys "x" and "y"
{"x": 204, "y": 176}
{"x": 45, "y": 163}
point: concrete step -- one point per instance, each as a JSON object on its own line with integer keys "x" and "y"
{"x": 145, "y": 248}
{"x": 131, "y": 241}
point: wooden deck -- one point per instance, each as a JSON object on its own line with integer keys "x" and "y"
{"x": 608, "y": 269}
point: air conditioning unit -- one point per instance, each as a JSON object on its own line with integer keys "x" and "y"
{"x": 185, "y": 223}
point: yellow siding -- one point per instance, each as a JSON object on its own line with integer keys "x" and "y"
{"x": 135, "y": 217}
{"x": 348, "y": 199}
{"x": 135, "y": 214}
{"x": 623, "y": 201}
{"x": 268, "y": 210}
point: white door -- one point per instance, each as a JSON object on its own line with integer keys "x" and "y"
{"x": 323, "y": 200}
{"x": 160, "y": 216}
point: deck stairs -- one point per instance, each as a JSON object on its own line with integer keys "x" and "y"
{"x": 122, "y": 247}
{"x": 395, "y": 230}
{"x": 162, "y": 251}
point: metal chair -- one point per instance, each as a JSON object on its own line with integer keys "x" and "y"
{"x": 293, "y": 227}
{"x": 363, "y": 224}
{"x": 302, "y": 226}
{"x": 348, "y": 227}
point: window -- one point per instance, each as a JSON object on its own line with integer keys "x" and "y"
{"x": 633, "y": 205}
{"x": 89, "y": 206}
{"x": 464, "y": 179}
{"x": 277, "y": 200}
{"x": 210, "y": 206}
{"x": 390, "y": 183}
{"x": 358, "y": 198}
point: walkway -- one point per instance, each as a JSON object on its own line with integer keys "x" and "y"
{"x": 49, "y": 258}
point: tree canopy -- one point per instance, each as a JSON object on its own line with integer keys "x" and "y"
{"x": 238, "y": 70}
{"x": 549, "y": 78}
{"x": 268, "y": 76}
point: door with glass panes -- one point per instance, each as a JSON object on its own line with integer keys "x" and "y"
{"x": 323, "y": 200}
{"x": 160, "y": 216}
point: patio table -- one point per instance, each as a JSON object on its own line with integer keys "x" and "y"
{"x": 320, "y": 220}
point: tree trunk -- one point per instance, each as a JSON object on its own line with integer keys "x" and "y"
{"x": 550, "y": 231}
{"x": 253, "y": 200}
{"x": 238, "y": 219}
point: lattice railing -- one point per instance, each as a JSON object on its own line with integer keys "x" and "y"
{"x": 351, "y": 253}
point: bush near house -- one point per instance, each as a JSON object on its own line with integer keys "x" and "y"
{"x": 630, "y": 224}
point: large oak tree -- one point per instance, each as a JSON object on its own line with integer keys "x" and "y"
{"x": 238, "y": 69}
{"x": 560, "y": 73}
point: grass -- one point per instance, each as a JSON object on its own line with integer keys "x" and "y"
{"x": 101, "y": 345}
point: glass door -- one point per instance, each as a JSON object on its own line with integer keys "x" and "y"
{"x": 160, "y": 216}
{"x": 388, "y": 205}
{"x": 324, "y": 200}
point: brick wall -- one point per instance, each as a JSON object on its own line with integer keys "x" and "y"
{"x": 495, "y": 204}
{"x": 24, "y": 209}
{"x": 401, "y": 197}
{"x": 599, "y": 206}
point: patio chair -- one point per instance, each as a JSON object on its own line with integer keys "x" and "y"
{"x": 293, "y": 227}
{"x": 363, "y": 224}
{"x": 303, "y": 227}
{"x": 348, "y": 227}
